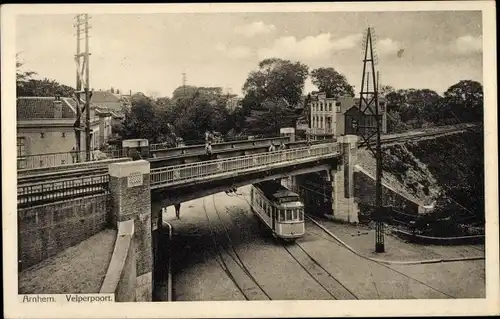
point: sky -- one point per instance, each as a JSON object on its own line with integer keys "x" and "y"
{"x": 149, "y": 52}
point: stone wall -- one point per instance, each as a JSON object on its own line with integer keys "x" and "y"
{"x": 46, "y": 230}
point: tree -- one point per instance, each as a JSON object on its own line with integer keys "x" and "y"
{"x": 146, "y": 120}
{"x": 331, "y": 82}
{"x": 272, "y": 115}
{"x": 22, "y": 76}
{"x": 271, "y": 92}
{"x": 385, "y": 90}
{"x": 277, "y": 78}
{"x": 465, "y": 100}
{"x": 43, "y": 87}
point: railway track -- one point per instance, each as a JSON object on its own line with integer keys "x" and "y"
{"x": 430, "y": 132}
{"x": 384, "y": 265}
{"x": 60, "y": 176}
{"x": 317, "y": 272}
{"x": 230, "y": 261}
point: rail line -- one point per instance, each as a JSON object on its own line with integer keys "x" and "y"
{"x": 222, "y": 263}
{"x": 347, "y": 294}
{"x": 252, "y": 286}
{"x": 384, "y": 265}
{"x": 241, "y": 264}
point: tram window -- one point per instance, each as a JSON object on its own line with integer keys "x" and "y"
{"x": 288, "y": 214}
{"x": 282, "y": 215}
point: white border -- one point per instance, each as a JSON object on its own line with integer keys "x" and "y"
{"x": 13, "y": 309}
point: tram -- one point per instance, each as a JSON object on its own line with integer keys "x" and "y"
{"x": 280, "y": 210}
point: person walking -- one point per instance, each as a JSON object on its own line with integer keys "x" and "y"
{"x": 282, "y": 146}
{"x": 178, "y": 210}
{"x": 272, "y": 148}
{"x": 73, "y": 154}
{"x": 208, "y": 149}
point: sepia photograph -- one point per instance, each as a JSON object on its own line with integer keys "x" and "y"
{"x": 180, "y": 160}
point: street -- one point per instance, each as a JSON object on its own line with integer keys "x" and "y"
{"x": 233, "y": 258}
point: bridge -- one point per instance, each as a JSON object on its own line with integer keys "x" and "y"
{"x": 123, "y": 190}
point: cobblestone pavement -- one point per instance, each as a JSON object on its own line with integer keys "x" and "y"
{"x": 78, "y": 269}
{"x": 331, "y": 271}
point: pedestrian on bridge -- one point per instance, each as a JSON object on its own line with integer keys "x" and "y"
{"x": 282, "y": 146}
{"x": 272, "y": 148}
{"x": 208, "y": 149}
{"x": 74, "y": 155}
{"x": 178, "y": 210}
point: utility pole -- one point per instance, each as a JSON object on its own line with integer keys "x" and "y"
{"x": 83, "y": 79}
{"x": 369, "y": 108}
{"x": 77, "y": 125}
{"x": 184, "y": 82}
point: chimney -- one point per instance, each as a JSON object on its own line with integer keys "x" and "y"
{"x": 57, "y": 107}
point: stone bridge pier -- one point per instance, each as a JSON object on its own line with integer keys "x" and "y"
{"x": 130, "y": 196}
{"x": 331, "y": 193}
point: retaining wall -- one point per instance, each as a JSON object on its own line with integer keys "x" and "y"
{"x": 45, "y": 230}
{"x": 121, "y": 275}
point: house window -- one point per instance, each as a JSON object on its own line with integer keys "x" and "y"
{"x": 330, "y": 106}
{"x": 321, "y": 107}
{"x": 382, "y": 106}
{"x": 21, "y": 146}
{"x": 337, "y": 106}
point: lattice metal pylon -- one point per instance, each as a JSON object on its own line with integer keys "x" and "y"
{"x": 368, "y": 126}
{"x": 82, "y": 83}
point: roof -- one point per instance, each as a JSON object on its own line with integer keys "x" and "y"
{"x": 104, "y": 97}
{"x": 275, "y": 191}
{"x": 110, "y": 101}
{"x": 34, "y": 107}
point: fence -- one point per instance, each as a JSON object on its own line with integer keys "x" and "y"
{"x": 160, "y": 146}
{"x": 63, "y": 158}
{"x": 200, "y": 169}
{"x": 48, "y": 192}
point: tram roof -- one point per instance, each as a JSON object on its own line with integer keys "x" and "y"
{"x": 276, "y": 190}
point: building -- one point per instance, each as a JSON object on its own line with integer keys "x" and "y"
{"x": 115, "y": 104}
{"x": 233, "y": 103}
{"x": 332, "y": 117}
{"x": 46, "y": 125}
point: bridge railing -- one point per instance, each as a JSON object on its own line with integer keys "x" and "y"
{"x": 200, "y": 169}
{"x": 48, "y": 192}
{"x": 64, "y": 158}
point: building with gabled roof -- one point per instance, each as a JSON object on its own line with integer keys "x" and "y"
{"x": 46, "y": 125}
{"x": 333, "y": 116}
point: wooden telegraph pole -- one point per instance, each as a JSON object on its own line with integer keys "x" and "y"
{"x": 368, "y": 127}
{"x": 82, "y": 83}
